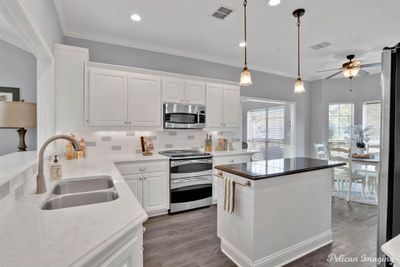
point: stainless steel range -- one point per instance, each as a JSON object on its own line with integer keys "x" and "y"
{"x": 190, "y": 179}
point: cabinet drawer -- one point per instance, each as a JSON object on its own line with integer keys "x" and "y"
{"x": 231, "y": 159}
{"x": 141, "y": 167}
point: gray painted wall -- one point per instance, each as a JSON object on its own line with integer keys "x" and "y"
{"x": 17, "y": 69}
{"x": 324, "y": 92}
{"x": 264, "y": 85}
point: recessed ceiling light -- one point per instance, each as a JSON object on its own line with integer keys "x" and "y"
{"x": 136, "y": 17}
{"x": 274, "y": 2}
{"x": 242, "y": 44}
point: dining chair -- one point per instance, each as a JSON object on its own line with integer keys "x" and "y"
{"x": 322, "y": 151}
{"x": 346, "y": 173}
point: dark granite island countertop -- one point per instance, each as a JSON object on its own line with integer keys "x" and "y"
{"x": 277, "y": 167}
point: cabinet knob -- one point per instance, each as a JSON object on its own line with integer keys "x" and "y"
{"x": 144, "y": 178}
{"x": 140, "y": 179}
{"x": 232, "y": 161}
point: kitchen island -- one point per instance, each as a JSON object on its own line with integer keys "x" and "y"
{"x": 282, "y": 210}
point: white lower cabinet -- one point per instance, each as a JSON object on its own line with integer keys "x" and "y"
{"x": 222, "y": 160}
{"x": 129, "y": 254}
{"x": 150, "y": 184}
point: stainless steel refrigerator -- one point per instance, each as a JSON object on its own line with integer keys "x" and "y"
{"x": 389, "y": 178}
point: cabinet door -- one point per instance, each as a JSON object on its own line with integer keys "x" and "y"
{"x": 214, "y": 105}
{"x": 173, "y": 90}
{"x": 155, "y": 191}
{"x": 231, "y": 107}
{"x": 195, "y": 92}
{"x": 135, "y": 182}
{"x": 107, "y": 98}
{"x": 144, "y": 98}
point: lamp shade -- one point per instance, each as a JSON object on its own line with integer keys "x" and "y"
{"x": 351, "y": 72}
{"x": 245, "y": 77}
{"x": 299, "y": 86}
{"x": 17, "y": 115}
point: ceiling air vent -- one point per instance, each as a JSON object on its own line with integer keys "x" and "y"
{"x": 320, "y": 45}
{"x": 222, "y": 12}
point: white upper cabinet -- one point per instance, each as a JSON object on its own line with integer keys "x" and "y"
{"x": 214, "y": 105}
{"x": 107, "y": 98}
{"x": 195, "y": 92}
{"x": 173, "y": 90}
{"x": 185, "y": 92}
{"x": 231, "y": 107}
{"x": 222, "y": 106}
{"x": 144, "y": 100}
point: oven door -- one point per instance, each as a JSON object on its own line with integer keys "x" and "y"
{"x": 190, "y": 167}
{"x": 190, "y": 193}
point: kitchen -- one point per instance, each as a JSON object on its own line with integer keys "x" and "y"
{"x": 156, "y": 145}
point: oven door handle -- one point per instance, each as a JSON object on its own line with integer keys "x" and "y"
{"x": 188, "y": 162}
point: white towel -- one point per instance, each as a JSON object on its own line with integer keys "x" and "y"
{"x": 229, "y": 194}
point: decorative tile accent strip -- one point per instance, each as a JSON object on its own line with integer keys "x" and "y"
{"x": 172, "y": 133}
{"x": 236, "y": 139}
{"x": 130, "y": 134}
{"x": 4, "y": 190}
{"x": 106, "y": 138}
{"x": 153, "y": 138}
{"x": 169, "y": 146}
{"x": 138, "y": 151}
{"x": 190, "y": 137}
{"x": 116, "y": 147}
{"x": 90, "y": 143}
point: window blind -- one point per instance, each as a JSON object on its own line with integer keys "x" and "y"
{"x": 266, "y": 132}
{"x": 372, "y": 116}
{"x": 340, "y": 120}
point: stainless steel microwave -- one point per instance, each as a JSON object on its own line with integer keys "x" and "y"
{"x": 184, "y": 116}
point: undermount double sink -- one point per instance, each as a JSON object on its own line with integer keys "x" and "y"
{"x": 81, "y": 191}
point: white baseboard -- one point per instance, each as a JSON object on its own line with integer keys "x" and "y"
{"x": 157, "y": 213}
{"x": 281, "y": 257}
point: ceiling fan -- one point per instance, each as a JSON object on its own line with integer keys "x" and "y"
{"x": 351, "y": 68}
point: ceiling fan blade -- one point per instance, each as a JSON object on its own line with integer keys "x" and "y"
{"x": 333, "y": 75}
{"x": 328, "y": 70}
{"x": 371, "y": 65}
{"x": 363, "y": 73}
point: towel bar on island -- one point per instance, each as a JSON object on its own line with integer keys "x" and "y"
{"x": 247, "y": 183}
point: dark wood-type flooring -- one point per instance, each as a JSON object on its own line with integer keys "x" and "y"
{"x": 189, "y": 239}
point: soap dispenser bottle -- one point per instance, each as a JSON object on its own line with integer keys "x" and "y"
{"x": 55, "y": 169}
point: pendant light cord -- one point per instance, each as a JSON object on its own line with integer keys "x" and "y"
{"x": 245, "y": 32}
{"x": 298, "y": 46}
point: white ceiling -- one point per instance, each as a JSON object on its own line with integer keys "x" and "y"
{"x": 186, "y": 28}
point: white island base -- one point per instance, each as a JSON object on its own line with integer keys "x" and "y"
{"x": 276, "y": 220}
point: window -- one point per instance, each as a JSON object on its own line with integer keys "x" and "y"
{"x": 266, "y": 132}
{"x": 340, "y": 121}
{"x": 372, "y": 117}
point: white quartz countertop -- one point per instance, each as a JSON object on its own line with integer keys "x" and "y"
{"x": 30, "y": 236}
{"x": 232, "y": 152}
{"x": 15, "y": 163}
{"x": 392, "y": 249}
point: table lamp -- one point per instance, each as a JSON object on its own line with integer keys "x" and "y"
{"x": 18, "y": 115}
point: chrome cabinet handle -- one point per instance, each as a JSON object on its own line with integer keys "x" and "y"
{"x": 144, "y": 178}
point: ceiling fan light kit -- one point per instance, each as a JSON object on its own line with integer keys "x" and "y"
{"x": 245, "y": 76}
{"x": 299, "y": 84}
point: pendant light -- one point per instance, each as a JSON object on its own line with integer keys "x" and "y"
{"x": 245, "y": 76}
{"x": 299, "y": 85}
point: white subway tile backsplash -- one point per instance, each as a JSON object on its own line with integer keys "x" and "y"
{"x": 129, "y": 142}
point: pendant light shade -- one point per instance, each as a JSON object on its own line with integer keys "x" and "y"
{"x": 299, "y": 85}
{"x": 245, "y": 76}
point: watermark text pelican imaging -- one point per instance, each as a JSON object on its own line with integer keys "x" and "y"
{"x": 355, "y": 259}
